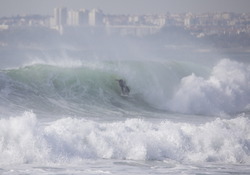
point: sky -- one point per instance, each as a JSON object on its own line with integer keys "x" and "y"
{"x": 45, "y": 7}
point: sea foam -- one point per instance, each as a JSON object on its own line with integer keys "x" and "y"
{"x": 20, "y": 140}
{"x": 227, "y": 89}
{"x": 25, "y": 139}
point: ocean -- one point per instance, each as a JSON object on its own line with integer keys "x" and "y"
{"x": 182, "y": 116}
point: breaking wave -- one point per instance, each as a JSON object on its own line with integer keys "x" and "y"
{"x": 24, "y": 139}
{"x": 227, "y": 89}
{"x": 166, "y": 85}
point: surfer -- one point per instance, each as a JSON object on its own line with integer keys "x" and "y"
{"x": 125, "y": 89}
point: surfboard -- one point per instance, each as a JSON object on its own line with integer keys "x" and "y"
{"x": 124, "y": 95}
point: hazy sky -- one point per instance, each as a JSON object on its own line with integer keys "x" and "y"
{"x": 14, "y": 7}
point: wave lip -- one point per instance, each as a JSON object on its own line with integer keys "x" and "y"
{"x": 25, "y": 140}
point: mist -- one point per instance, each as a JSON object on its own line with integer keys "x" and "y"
{"x": 23, "y": 45}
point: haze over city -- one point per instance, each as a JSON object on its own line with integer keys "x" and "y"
{"x": 14, "y": 7}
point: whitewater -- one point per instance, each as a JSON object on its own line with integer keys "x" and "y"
{"x": 67, "y": 116}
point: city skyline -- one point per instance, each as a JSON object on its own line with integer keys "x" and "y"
{"x": 13, "y": 7}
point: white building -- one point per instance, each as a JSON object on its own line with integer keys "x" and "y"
{"x": 83, "y": 17}
{"x": 60, "y": 16}
{"x": 4, "y": 27}
{"x": 73, "y": 18}
{"x": 96, "y": 17}
{"x": 59, "y": 19}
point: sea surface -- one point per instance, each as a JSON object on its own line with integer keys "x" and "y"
{"x": 182, "y": 116}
